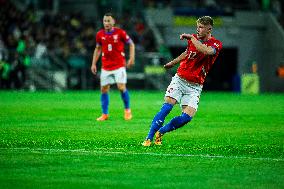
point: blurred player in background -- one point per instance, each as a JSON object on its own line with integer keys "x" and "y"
{"x": 110, "y": 43}
{"x": 186, "y": 86}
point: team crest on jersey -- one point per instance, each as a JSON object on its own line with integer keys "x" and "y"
{"x": 103, "y": 38}
{"x": 216, "y": 44}
{"x": 115, "y": 38}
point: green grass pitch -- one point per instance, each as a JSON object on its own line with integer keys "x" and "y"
{"x": 52, "y": 140}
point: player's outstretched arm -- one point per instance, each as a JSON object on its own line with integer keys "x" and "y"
{"x": 96, "y": 57}
{"x": 131, "y": 60}
{"x": 201, "y": 47}
{"x": 175, "y": 61}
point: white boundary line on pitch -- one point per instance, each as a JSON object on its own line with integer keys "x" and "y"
{"x": 101, "y": 151}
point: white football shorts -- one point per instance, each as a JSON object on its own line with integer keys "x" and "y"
{"x": 113, "y": 76}
{"x": 185, "y": 93}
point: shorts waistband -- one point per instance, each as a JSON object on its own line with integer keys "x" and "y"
{"x": 190, "y": 83}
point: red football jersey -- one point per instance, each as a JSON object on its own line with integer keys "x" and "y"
{"x": 195, "y": 66}
{"x": 112, "y": 43}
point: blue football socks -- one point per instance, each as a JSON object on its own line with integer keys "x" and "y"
{"x": 105, "y": 102}
{"x": 159, "y": 119}
{"x": 126, "y": 99}
{"x": 176, "y": 123}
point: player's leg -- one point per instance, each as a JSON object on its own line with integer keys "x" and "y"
{"x": 172, "y": 96}
{"x": 126, "y": 100}
{"x": 106, "y": 79}
{"x": 189, "y": 103}
{"x": 179, "y": 121}
{"x": 104, "y": 102}
{"x": 121, "y": 80}
{"x": 159, "y": 118}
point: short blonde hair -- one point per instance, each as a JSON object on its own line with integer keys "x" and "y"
{"x": 205, "y": 20}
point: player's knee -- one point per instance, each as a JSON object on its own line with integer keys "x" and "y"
{"x": 189, "y": 110}
{"x": 170, "y": 100}
{"x": 104, "y": 89}
{"x": 121, "y": 87}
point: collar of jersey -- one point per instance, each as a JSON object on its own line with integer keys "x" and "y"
{"x": 205, "y": 41}
{"x": 110, "y": 32}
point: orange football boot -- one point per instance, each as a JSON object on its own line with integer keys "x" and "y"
{"x": 103, "y": 117}
{"x": 127, "y": 114}
{"x": 146, "y": 143}
{"x": 158, "y": 140}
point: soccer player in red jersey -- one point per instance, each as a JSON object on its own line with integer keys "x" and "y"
{"x": 186, "y": 86}
{"x": 110, "y": 43}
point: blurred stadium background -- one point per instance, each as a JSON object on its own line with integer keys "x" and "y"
{"x": 48, "y": 45}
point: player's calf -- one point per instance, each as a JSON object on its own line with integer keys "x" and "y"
{"x": 176, "y": 123}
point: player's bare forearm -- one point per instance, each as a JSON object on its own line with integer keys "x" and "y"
{"x": 175, "y": 61}
{"x": 96, "y": 57}
{"x": 132, "y": 50}
{"x": 97, "y": 54}
{"x": 201, "y": 47}
{"x": 131, "y": 60}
